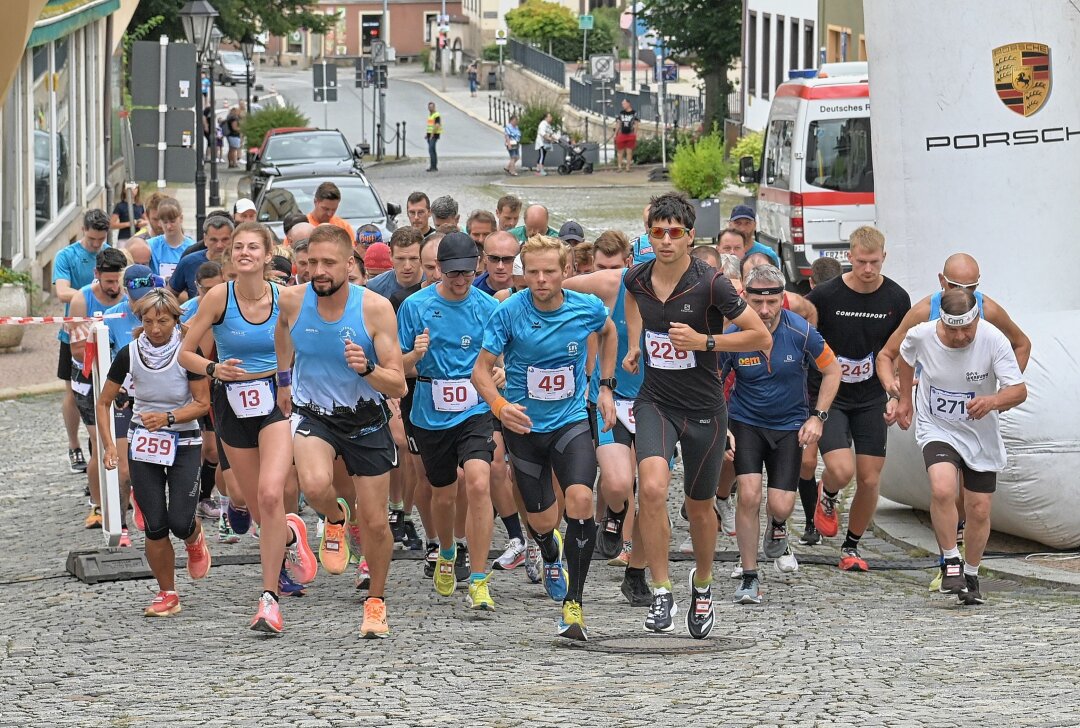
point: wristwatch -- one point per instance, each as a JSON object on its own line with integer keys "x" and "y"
{"x": 820, "y": 414}
{"x": 610, "y": 383}
{"x": 710, "y": 343}
{"x": 170, "y": 418}
{"x": 369, "y": 370}
{"x": 210, "y": 369}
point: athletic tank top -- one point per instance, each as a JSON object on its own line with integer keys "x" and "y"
{"x": 238, "y": 338}
{"x": 629, "y": 384}
{"x": 93, "y": 306}
{"x": 935, "y": 305}
{"x": 160, "y": 390}
{"x": 320, "y": 375}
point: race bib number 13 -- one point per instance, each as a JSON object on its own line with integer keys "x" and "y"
{"x": 250, "y": 399}
{"x": 948, "y": 405}
{"x": 853, "y": 371}
{"x": 663, "y": 354}
{"x": 550, "y": 384}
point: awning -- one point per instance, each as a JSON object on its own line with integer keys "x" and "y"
{"x": 62, "y": 17}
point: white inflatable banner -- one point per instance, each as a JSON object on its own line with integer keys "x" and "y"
{"x": 975, "y": 108}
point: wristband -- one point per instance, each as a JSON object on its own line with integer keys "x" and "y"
{"x": 498, "y": 405}
{"x": 284, "y": 379}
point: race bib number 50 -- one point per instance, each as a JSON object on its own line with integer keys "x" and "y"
{"x": 852, "y": 371}
{"x": 250, "y": 399}
{"x": 948, "y": 405}
{"x": 663, "y": 354}
{"x": 550, "y": 384}
{"x": 158, "y": 448}
{"x": 453, "y": 395}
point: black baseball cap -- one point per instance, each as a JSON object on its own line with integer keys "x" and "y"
{"x": 571, "y": 232}
{"x": 742, "y": 212}
{"x": 457, "y": 252}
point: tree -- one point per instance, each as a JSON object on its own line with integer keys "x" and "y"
{"x": 555, "y": 29}
{"x": 238, "y": 17}
{"x": 711, "y": 42}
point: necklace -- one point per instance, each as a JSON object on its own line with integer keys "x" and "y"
{"x": 253, "y": 300}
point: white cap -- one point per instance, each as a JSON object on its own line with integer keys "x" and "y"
{"x": 519, "y": 269}
{"x": 243, "y": 205}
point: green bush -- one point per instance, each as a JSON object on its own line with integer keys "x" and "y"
{"x": 531, "y": 118}
{"x": 491, "y": 53}
{"x": 699, "y": 169}
{"x": 426, "y": 60}
{"x": 648, "y": 149}
{"x": 255, "y": 126}
{"x": 748, "y": 145}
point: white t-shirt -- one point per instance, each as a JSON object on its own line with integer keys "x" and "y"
{"x": 951, "y": 377}
{"x": 542, "y": 132}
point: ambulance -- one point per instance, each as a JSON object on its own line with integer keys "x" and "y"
{"x": 816, "y": 175}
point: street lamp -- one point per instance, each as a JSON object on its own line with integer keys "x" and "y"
{"x": 247, "y": 47}
{"x": 211, "y": 55}
{"x": 197, "y": 17}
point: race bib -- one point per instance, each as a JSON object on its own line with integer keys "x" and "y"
{"x": 624, "y": 410}
{"x": 82, "y": 388}
{"x": 852, "y": 371}
{"x": 250, "y": 399}
{"x": 663, "y": 354}
{"x": 551, "y": 384}
{"x": 165, "y": 270}
{"x": 158, "y": 447}
{"x": 948, "y": 405}
{"x": 453, "y": 395}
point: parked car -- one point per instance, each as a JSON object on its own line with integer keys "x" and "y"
{"x": 292, "y": 151}
{"x": 42, "y": 178}
{"x": 295, "y": 192}
{"x": 230, "y": 68}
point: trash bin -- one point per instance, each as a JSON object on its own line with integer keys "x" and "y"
{"x": 492, "y": 81}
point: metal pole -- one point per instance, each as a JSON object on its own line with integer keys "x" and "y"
{"x": 442, "y": 49}
{"x": 633, "y": 51}
{"x": 247, "y": 108}
{"x": 215, "y": 193}
{"x": 584, "y": 47}
{"x": 663, "y": 117}
{"x": 200, "y": 167}
{"x": 604, "y": 109}
{"x": 325, "y": 97}
{"x": 500, "y": 67}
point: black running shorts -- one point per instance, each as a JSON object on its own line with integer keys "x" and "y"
{"x": 864, "y": 426}
{"x": 777, "y": 450}
{"x": 366, "y": 455}
{"x": 443, "y": 451}
{"x": 240, "y": 432}
{"x": 701, "y": 439}
{"x": 977, "y": 481}
{"x": 569, "y": 451}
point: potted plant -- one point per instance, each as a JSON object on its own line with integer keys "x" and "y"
{"x": 15, "y": 290}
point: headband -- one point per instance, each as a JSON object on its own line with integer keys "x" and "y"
{"x": 770, "y": 291}
{"x": 962, "y": 319}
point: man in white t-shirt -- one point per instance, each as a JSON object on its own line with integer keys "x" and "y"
{"x": 969, "y": 374}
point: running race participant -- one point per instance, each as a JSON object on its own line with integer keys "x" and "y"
{"x": 500, "y": 249}
{"x": 338, "y": 331}
{"x": 441, "y": 329}
{"x": 968, "y": 373}
{"x": 682, "y": 304}
{"x": 254, "y": 431}
{"x": 771, "y": 421}
{"x": 541, "y": 333}
{"x": 167, "y": 249}
{"x": 165, "y": 441}
{"x": 857, "y": 313}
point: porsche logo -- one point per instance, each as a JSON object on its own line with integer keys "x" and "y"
{"x": 1022, "y": 76}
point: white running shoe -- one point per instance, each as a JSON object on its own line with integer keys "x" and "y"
{"x": 512, "y": 556}
{"x": 736, "y": 573}
{"x": 786, "y": 563}
{"x": 726, "y": 510}
{"x": 687, "y": 546}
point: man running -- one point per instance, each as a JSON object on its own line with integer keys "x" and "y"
{"x": 681, "y": 302}
{"x": 857, "y": 313}
{"x": 968, "y": 374}
{"x": 542, "y": 333}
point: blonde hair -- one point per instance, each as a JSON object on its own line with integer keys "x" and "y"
{"x": 544, "y": 244}
{"x": 868, "y": 238}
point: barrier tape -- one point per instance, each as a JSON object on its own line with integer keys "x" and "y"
{"x": 24, "y": 320}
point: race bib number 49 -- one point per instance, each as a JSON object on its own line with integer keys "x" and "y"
{"x": 550, "y": 384}
{"x": 453, "y": 395}
{"x": 158, "y": 448}
{"x": 663, "y": 354}
{"x": 948, "y": 405}
{"x": 250, "y": 399}
{"x": 852, "y": 371}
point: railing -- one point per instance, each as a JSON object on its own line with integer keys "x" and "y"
{"x": 500, "y": 110}
{"x": 679, "y": 110}
{"x": 540, "y": 63}
{"x": 398, "y": 139}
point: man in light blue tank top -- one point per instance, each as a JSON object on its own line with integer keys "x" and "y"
{"x": 347, "y": 362}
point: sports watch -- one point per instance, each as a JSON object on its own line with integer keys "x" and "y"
{"x": 610, "y": 383}
{"x": 710, "y": 343}
{"x": 820, "y": 414}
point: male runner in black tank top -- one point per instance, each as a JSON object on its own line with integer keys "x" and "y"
{"x": 681, "y": 304}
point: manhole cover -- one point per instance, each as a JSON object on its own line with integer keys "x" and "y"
{"x": 665, "y": 645}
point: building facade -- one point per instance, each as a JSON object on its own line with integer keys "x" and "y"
{"x": 778, "y": 36}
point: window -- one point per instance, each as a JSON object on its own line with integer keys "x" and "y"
{"x": 793, "y": 39}
{"x": 370, "y": 29}
{"x": 778, "y": 154}
{"x": 42, "y": 140}
{"x": 751, "y": 55}
{"x": 296, "y": 42}
{"x": 809, "y": 45}
{"x": 839, "y": 44}
{"x": 780, "y": 25}
{"x": 766, "y": 56}
{"x": 12, "y": 197}
{"x": 429, "y": 22}
{"x": 862, "y": 47}
{"x": 838, "y": 155}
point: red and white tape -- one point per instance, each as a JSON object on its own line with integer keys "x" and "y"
{"x": 24, "y": 320}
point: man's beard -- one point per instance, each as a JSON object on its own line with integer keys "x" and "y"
{"x": 334, "y": 287}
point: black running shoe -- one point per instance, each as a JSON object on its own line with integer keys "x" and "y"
{"x": 462, "y": 567}
{"x": 952, "y": 576}
{"x": 811, "y": 536}
{"x": 609, "y": 537}
{"x": 76, "y": 461}
{"x": 397, "y": 528}
{"x": 662, "y": 613}
{"x": 412, "y": 538}
{"x": 700, "y": 617}
{"x": 972, "y": 595}
{"x": 636, "y": 589}
{"x": 429, "y": 559}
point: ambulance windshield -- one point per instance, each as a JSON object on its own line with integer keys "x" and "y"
{"x": 838, "y": 155}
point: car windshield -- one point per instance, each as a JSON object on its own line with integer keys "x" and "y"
{"x": 231, "y": 58}
{"x": 304, "y": 147}
{"x": 358, "y": 201}
{"x": 838, "y": 155}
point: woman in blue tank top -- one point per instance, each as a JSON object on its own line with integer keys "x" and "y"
{"x": 255, "y": 433}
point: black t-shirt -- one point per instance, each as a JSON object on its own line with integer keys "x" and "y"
{"x": 398, "y": 296}
{"x": 121, "y": 211}
{"x": 702, "y": 299}
{"x": 856, "y": 326}
{"x": 197, "y": 247}
{"x": 626, "y": 121}
{"x": 232, "y": 125}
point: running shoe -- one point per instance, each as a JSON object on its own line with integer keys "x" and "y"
{"x": 725, "y": 512}
{"x": 480, "y": 595}
{"x": 825, "y": 519}
{"x": 268, "y": 617}
{"x": 636, "y": 589}
{"x": 140, "y": 522}
{"x": 207, "y": 508}
{"x": 226, "y": 534}
{"x": 952, "y": 576}
{"x": 687, "y": 546}
{"x": 609, "y": 537}
{"x": 700, "y": 617}
{"x": 320, "y": 527}
{"x": 749, "y": 591}
{"x": 935, "y": 583}
{"x": 413, "y": 541}
{"x": 93, "y": 520}
{"x": 623, "y": 557}
{"x": 971, "y": 595}
{"x": 572, "y": 624}
{"x": 374, "y": 624}
{"x": 811, "y": 536}
{"x": 430, "y": 559}
{"x": 334, "y": 545}
{"x": 76, "y": 461}
{"x": 239, "y": 519}
{"x": 198, "y": 557}
{"x": 851, "y": 561}
{"x": 287, "y": 587}
{"x": 737, "y": 571}
{"x": 125, "y": 539}
{"x": 555, "y": 576}
{"x": 533, "y": 561}
{"x": 397, "y": 528}
{"x": 774, "y": 542}
{"x": 165, "y": 604}
{"x": 299, "y": 558}
{"x": 661, "y": 617}
{"x": 353, "y": 532}
{"x": 363, "y": 574}
{"x": 444, "y": 580}
{"x": 462, "y": 565}
{"x": 512, "y": 556}
{"x": 786, "y": 563}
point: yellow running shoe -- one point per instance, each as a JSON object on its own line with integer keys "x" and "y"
{"x": 572, "y": 624}
{"x": 935, "y": 584}
{"x": 480, "y": 596}
{"x": 334, "y": 549}
{"x": 444, "y": 578}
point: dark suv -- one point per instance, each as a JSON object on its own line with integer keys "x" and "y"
{"x": 300, "y": 151}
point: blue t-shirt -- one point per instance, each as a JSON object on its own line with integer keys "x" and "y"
{"x": 513, "y": 133}
{"x": 188, "y": 309}
{"x": 456, "y": 329}
{"x": 183, "y": 278}
{"x": 120, "y": 328}
{"x": 385, "y": 284}
{"x": 544, "y": 353}
{"x": 163, "y": 257}
{"x": 74, "y": 264}
{"x": 770, "y": 391}
{"x": 935, "y": 305}
{"x": 482, "y": 284}
{"x": 764, "y": 250}
{"x": 628, "y": 384}
{"x": 643, "y": 250}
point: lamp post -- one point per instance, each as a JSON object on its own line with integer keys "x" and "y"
{"x": 247, "y": 47}
{"x": 215, "y": 191}
{"x": 198, "y": 17}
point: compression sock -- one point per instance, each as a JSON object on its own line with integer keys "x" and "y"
{"x": 702, "y": 583}
{"x": 580, "y": 541}
{"x": 208, "y": 478}
{"x": 851, "y": 541}
{"x": 549, "y": 549}
{"x": 808, "y": 496}
{"x": 513, "y": 527}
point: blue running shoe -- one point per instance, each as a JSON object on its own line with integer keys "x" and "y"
{"x": 287, "y": 587}
{"x": 240, "y": 519}
{"x": 555, "y": 578}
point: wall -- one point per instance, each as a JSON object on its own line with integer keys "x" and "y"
{"x": 760, "y": 78}
{"x": 841, "y": 16}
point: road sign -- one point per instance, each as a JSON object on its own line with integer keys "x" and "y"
{"x": 165, "y": 130}
{"x": 324, "y": 82}
{"x": 500, "y": 37}
{"x": 671, "y": 72}
{"x": 380, "y": 76}
{"x": 585, "y": 22}
{"x": 378, "y": 51}
{"x": 602, "y": 67}
{"x": 362, "y": 69}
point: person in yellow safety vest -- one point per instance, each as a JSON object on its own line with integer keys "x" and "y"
{"x": 434, "y": 131}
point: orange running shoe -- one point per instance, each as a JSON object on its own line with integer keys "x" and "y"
{"x": 334, "y": 549}
{"x": 94, "y": 519}
{"x": 198, "y": 557}
{"x": 850, "y": 560}
{"x": 125, "y": 539}
{"x": 825, "y": 519}
{"x": 374, "y": 624}
{"x": 268, "y": 618}
{"x": 299, "y": 558}
{"x": 165, "y": 604}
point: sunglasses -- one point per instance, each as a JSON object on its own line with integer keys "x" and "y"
{"x": 458, "y": 273}
{"x": 144, "y": 282}
{"x": 954, "y": 284}
{"x": 675, "y": 233}
{"x": 504, "y": 259}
